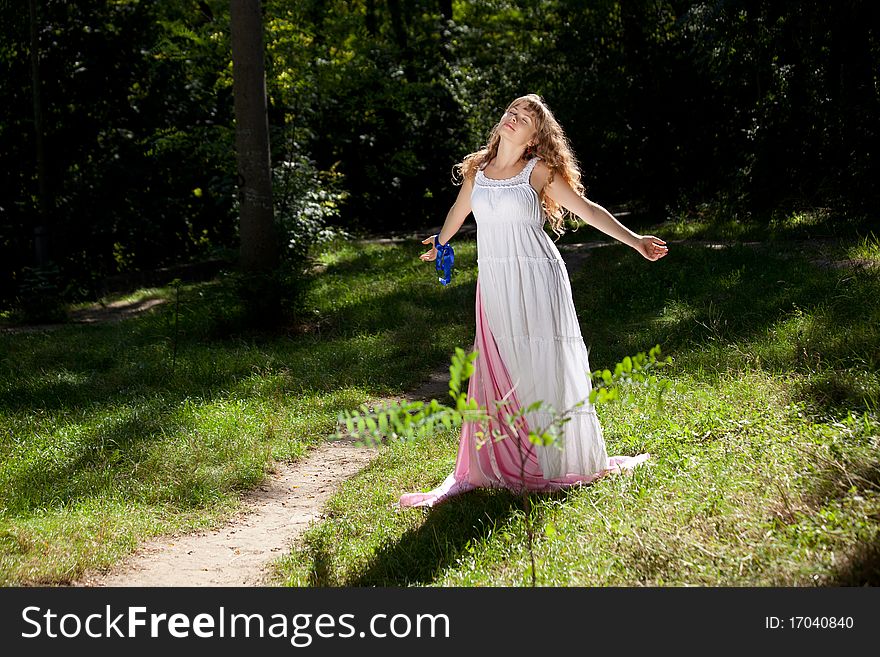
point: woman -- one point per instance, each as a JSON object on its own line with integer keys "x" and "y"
{"x": 528, "y": 339}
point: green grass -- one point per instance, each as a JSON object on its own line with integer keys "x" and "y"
{"x": 765, "y": 466}
{"x": 866, "y": 251}
{"x": 727, "y": 221}
{"x": 764, "y": 469}
{"x": 103, "y": 444}
{"x": 727, "y": 501}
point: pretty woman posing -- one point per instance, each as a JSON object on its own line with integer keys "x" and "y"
{"x": 528, "y": 337}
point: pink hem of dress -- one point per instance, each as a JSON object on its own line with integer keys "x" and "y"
{"x": 452, "y": 487}
{"x": 512, "y": 461}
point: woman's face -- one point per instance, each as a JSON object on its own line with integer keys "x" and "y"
{"x": 518, "y": 125}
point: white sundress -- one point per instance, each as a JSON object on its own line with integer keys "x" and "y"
{"x": 530, "y": 349}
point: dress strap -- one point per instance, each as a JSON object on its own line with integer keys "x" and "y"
{"x": 527, "y": 170}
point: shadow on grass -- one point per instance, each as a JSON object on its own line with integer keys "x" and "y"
{"x": 100, "y": 463}
{"x": 95, "y": 366}
{"x": 861, "y": 567}
{"x": 839, "y": 392}
{"x": 420, "y": 556}
{"x": 836, "y": 478}
{"x": 693, "y": 296}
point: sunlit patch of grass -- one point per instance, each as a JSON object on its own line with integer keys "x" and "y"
{"x": 726, "y": 221}
{"x": 799, "y": 220}
{"x": 57, "y": 545}
{"x": 681, "y": 228}
{"x": 866, "y": 250}
{"x": 126, "y": 298}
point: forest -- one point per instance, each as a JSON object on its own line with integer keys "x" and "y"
{"x": 119, "y": 153}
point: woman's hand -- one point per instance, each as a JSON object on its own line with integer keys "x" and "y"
{"x": 428, "y": 256}
{"x": 653, "y": 248}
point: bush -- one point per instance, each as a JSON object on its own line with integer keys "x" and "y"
{"x": 39, "y": 296}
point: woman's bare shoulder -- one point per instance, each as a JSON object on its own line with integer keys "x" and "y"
{"x": 540, "y": 174}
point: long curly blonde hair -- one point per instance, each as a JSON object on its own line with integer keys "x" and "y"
{"x": 551, "y": 145}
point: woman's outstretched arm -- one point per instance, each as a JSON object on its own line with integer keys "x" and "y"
{"x": 651, "y": 247}
{"x": 454, "y": 219}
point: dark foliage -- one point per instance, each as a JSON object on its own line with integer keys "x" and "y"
{"x": 762, "y": 106}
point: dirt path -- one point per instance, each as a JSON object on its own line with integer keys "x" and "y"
{"x": 272, "y": 518}
{"x": 94, "y": 314}
{"x": 237, "y": 554}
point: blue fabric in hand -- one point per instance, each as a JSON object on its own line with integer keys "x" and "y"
{"x": 445, "y": 260}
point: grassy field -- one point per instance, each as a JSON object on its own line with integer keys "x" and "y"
{"x": 765, "y": 466}
{"x": 103, "y": 444}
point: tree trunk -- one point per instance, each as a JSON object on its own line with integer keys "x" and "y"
{"x": 259, "y": 242}
{"x": 399, "y": 27}
{"x": 41, "y": 232}
{"x": 446, "y": 9}
{"x": 370, "y": 18}
{"x": 399, "y": 24}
